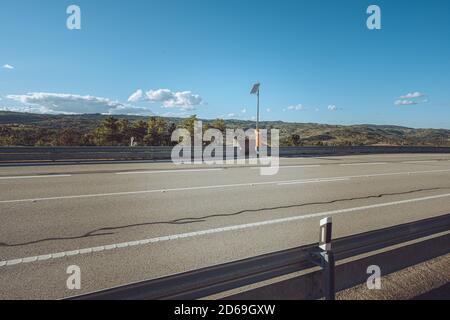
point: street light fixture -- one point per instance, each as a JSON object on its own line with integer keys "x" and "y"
{"x": 255, "y": 90}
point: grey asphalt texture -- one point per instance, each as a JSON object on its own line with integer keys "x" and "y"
{"x": 46, "y": 210}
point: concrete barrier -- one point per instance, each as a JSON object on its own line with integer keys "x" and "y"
{"x": 35, "y": 154}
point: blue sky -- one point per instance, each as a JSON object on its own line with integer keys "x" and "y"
{"x": 317, "y": 61}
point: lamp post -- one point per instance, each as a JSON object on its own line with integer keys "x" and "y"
{"x": 255, "y": 90}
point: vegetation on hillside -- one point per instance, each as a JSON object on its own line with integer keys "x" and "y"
{"x": 24, "y": 129}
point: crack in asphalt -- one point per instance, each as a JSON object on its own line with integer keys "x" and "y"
{"x": 189, "y": 220}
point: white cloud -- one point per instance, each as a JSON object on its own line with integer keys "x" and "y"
{"x": 135, "y": 97}
{"x": 411, "y": 98}
{"x": 296, "y": 107}
{"x": 8, "y": 66}
{"x": 332, "y": 107}
{"x": 412, "y": 95}
{"x": 269, "y": 110}
{"x": 404, "y": 102}
{"x": 73, "y": 104}
{"x": 184, "y": 100}
{"x": 244, "y": 110}
{"x": 160, "y": 95}
{"x": 229, "y": 116}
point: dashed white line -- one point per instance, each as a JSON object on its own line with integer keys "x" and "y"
{"x": 362, "y": 164}
{"x": 169, "y": 171}
{"x": 248, "y": 184}
{"x": 420, "y": 161}
{"x": 312, "y": 181}
{"x": 208, "y": 231}
{"x": 298, "y": 166}
{"x": 36, "y": 177}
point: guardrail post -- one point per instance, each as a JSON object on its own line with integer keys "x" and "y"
{"x": 325, "y": 258}
{"x": 326, "y": 231}
{"x": 328, "y": 269}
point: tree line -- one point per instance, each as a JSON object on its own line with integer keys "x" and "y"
{"x": 156, "y": 131}
{"x": 96, "y": 130}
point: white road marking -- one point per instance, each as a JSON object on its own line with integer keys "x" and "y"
{"x": 395, "y": 173}
{"x": 36, "y": 177}
{"x": 312, "y": 181}
{"x": 420, "y": 161}
{"x": 248, "y": 184}
{"x": 169, "y": 171}
{"x": 362, "y": 164}
{"x": 284, "y": 167}
{"x": 209, "y": 231}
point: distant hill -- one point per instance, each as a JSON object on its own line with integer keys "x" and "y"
{"x": 290, "y": 133}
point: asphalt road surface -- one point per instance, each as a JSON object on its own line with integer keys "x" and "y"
{"x": 127, "y": 222}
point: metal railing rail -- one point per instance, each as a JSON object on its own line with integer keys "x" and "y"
{"x": 215, "y": 279}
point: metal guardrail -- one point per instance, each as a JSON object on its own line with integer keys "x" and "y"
{"x": 27, "y": 154}
{"x": 212, "y": 280}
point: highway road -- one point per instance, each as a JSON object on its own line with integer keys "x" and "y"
{"x": 127, "y": 222}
